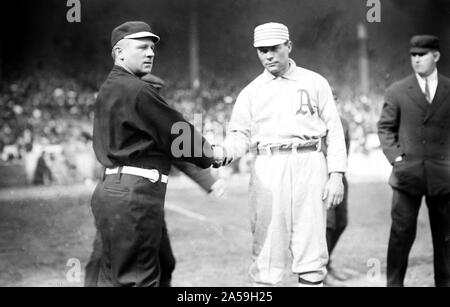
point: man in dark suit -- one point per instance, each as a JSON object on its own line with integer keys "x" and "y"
{"x": 414, "y": 130}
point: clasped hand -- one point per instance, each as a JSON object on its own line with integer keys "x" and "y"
{"x": 221, "y": 157}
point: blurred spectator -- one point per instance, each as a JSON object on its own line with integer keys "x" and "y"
{"x": 43, "y": 174}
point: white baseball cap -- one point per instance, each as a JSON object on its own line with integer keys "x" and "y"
{"x": 270, "y": 34}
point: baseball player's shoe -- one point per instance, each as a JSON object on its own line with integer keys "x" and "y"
{"x": 306, "y": 283}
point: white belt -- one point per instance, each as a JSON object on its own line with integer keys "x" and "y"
{"x": 151, "y": 174}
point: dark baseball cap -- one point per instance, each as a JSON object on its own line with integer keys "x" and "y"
{"x": 132, "y": 29}
{"x": 424, "y": 43}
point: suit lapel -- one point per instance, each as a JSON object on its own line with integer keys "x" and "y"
{"x": 415, "y": 93}
{"x": 442, "y": 92}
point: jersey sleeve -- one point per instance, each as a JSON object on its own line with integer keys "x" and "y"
{"x": 237, "y": 142}
{"x": 172, "y": 134}
{"x": 202, "y": 177}
{"x": 335, "y": 140}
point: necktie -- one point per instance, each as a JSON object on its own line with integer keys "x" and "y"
{"x": 427, "y": 91}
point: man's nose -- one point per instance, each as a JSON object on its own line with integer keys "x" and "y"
{"x": 270, "y": 55}
{"x": 150, "y": 53}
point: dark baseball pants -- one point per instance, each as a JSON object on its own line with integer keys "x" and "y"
{"x": 405, "y": 209}
{"x": 166, "y": 261}
{"x": 337, "y": 220}
{"x": 129, "y": 217}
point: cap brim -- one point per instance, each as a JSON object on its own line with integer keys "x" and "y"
{"x": 419, "y": 49}
{"x": 143, "y": 35}
{"x": 269, "y": 42}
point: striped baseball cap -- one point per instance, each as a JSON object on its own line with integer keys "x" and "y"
{"x": 270, "y": 34}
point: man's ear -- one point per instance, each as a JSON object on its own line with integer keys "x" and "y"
{"x": 289, "y": 45}
{"x": 436, "y": 55}
{"x": 118, "y": 52}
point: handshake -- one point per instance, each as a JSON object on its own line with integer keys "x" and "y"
{"x": 220, "y": 156}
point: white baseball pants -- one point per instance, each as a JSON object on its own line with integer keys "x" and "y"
{"x": 288, "y": 216}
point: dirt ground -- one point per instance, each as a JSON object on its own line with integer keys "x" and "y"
{"x": 46, "y": 235}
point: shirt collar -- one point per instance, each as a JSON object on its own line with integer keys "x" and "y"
{"x": 289, "y": 74}
{"x": 430, "y": 78}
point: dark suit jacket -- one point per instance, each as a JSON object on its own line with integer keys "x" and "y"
{"x": 419, "y": 131}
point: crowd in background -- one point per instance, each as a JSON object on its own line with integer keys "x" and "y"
{"x": 49, "y": 109}
{"x": 44, "y": 109}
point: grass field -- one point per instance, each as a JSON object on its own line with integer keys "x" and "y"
{"x": 41, "y": 228}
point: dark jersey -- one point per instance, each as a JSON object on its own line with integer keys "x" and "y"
{"x": 133, "y": 126}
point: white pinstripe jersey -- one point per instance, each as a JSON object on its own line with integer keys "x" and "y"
{"x": 295, "y": 107}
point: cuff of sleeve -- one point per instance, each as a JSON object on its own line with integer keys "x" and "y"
{"x": 337, "y": 169}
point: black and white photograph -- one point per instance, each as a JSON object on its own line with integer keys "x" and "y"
{"x": 243, "y": 145}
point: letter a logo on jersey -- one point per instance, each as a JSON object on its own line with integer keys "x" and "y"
{"x": 305, "y": 103}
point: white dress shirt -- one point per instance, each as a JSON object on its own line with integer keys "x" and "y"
{"x": 432, "y": 83}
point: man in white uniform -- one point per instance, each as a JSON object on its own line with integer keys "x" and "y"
{"x": 283, "y": 116}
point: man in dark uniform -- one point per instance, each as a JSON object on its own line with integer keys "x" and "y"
{"x": 202, "y": 177}
{"x": 414, "y": 130}
{"x": 133, "y": 141}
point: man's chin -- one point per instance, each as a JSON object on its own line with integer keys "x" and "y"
{"x": 273, "y": 70}
{"x": 147, "y": 68}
